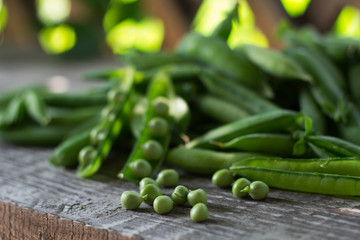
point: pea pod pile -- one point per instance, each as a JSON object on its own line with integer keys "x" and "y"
{"x": 289, "y": 118}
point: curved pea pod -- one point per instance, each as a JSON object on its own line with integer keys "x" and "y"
{"x": 66, "y": 154}
{"x": 64, "y": 116}
{"x": 280, "y": 120}
{"x": 143, "y": 61}
{"x": 215, "y": 52}
{"x": 6, "y": 97}
{"x": 354, "y": 83}
{"x": 235, "y": 93}
{"x": 334, "y": 145}
{"x": 220, "y": 110}
{"x": 74, "y": 100}
{"x": 36, "y": 135}
{"x": 322, "y": 183}
{"x": 109, "y": 129}
{"x": 203, "y": 161}
{"x": 152, "y": 144}
{"x": 329, "y": 84}
{"x": 15, "y": 111}
{"x": 310, "y": 108}
{"x": 330, "y": 165}
{"x": 276, "y": 63}
{"x": 36, "y": 108}
{"x": 277, "y": 144}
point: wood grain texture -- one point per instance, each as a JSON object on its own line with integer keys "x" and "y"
{"x": 39, "y": 201}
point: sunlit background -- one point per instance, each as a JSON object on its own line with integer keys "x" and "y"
{"x": 84, "y": 28}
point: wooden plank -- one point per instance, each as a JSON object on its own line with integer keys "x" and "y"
{"x": 40, "y": 201}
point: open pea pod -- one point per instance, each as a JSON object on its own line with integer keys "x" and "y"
{"x": 313, "y": 182}
{"x": 332, "y": 165}
{"x": 275, "y": 121}
{"x": 111, "y": 124}
{"x": 149, "y": 151}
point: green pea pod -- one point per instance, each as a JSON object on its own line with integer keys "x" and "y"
{"x": 220, "y": 110}
{"x": 276, "y": 63}
{"x": 143, "y": 61}
{"x": 203, "y": 161}
{"x": 64, "y": 116}
{"x": 36, "y": 135}
{"x": 335, "y": 145}
{"x": 235, "y": 93}
{"x": 320, "y": 152}
{"x": 310, "y": 108}
{"x": 340, "y": 49}
{"x": 176, "y": 71}
{"x": 74, "y": 100}
{"x": 216, "y": 53}
{"x": 223, "y": 30}
{"x": 35, "y": 107}
{"x": 342, "y": 166}
{"x": 328, "y": 81}
{"x": 110, "y": 127}
{"x": 277, "y": 144}
{"x": 137, "y": 116}
{"x": 275, "y": 121}
{"x": 15, "y": 111}
{"x": 6, "y": 97}
{"x": 303, "y": 181}
{"x": 66, "y": 154}
{"x": 160, "y": 88}
{"x": 354, "y": 83}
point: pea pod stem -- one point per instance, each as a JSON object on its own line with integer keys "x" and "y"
{"x": 322, "y": 183}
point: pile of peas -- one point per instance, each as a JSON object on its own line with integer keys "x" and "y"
{"x": 151, "y": 194}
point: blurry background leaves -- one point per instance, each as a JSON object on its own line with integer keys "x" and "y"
{"x": 88, "y": 28}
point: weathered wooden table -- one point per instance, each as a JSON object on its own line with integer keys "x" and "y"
{"x": 38, "y": 201}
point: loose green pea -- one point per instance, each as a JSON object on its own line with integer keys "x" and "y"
{"x": 145, "y": 181}
{"x": 130, "y": 200}
{"x": 167, "y": 178}
{"x": 238, "y": 188}
{"x": 161, "y": 106}
{"x": 98, "y": 134}
{"x": 86, "y": 155}
{"x": 199, "y": 212}
{"x": 179, "y": 196}
{"x": 163, "y": 204}
{"x": 149, "y": 193}
{"x": 152, "y": 150}
{"x": 115, "y": 95}
{"x": 197, "y": 196}
{"x": 258, "y": 190}
{"x": 141, "y": 168}
{"x": 222, "y": 178}
{"x": 158, "y": 127}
